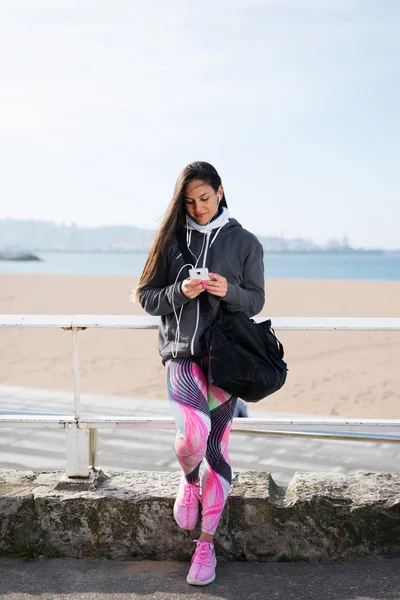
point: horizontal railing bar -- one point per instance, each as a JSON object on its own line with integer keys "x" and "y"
{"x": 335, "y": 323}
{"x": 147, "y": 322}
{"x": 343, "y": 429}
{"x": 247, "y": 423}
{"x": 37, "y": 416}
{"x": 116, "y": 321}
{"x": 357, "y": 437}
{"x": 36, "y": 420}
{"x": 250, "y": 421}
{"x": 236, "y": 429}
{"x": 60, "y": 321}
{"x": 30, "y": 413}
{"x": 33, "y": 425}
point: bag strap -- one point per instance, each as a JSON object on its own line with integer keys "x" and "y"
{"x": 188, "y": 258}
{"x": 278, "y": 343}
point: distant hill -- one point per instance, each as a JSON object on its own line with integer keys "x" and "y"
{"x": 36, "y": 236}
{"x": 46, "y": 235}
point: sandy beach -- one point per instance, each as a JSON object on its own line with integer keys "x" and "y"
{"x": 350, "y": 374}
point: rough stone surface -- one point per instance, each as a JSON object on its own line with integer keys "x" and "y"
{"x": 96, "y": 479}
{"x": 316, "y": 517}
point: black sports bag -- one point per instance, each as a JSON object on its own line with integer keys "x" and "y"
{"x": 245, "y": 357}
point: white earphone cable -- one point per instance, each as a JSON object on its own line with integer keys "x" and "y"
{"x": 178, "y": 319}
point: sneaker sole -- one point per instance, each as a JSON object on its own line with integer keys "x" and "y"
{"x": 197, "y": 582}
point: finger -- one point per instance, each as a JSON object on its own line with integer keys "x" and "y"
{"x": 211, "y": 286}
{"x": 195, "y": 288}
{"x": 214, "y": 287}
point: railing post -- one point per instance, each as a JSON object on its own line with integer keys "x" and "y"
{"x": 75, "y": 366}
{"x": 77, "y": 450}
{"x": 77, "y": 434}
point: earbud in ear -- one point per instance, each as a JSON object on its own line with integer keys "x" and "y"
{"x": 218, "y": 197}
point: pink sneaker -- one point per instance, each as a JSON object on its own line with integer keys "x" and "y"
{"x": 203, "y": 566}
{"x": 186, "y": 507}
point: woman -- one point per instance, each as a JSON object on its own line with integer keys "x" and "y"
{"x": 198, "y": 215}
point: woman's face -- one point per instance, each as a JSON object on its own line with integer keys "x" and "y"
{"x": 201, "y": 201}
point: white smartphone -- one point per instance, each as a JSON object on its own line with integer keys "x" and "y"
{"x": 199, "y": 274}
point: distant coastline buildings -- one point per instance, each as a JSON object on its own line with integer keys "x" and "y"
{"x": 36, "y": 236}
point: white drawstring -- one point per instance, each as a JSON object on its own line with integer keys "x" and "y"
{"x": 215, "y": 236}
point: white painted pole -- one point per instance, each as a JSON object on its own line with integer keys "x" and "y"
{"x": 75, "y": 366}
{"x": 77, "y": 433}
{"x": 77, "y": 450}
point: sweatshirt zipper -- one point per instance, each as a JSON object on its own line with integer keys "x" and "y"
{"x": 198, "y": 301}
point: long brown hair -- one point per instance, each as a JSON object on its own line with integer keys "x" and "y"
{"x": 175, "y": 217}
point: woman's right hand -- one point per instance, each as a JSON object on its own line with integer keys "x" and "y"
{"x": 192, "y": 288}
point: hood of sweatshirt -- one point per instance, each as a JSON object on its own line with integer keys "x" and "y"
{"x": 222, "y": 223}
{"x": 216, "y": 223}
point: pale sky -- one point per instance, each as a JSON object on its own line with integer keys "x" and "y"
{"x": 295, "y": 102}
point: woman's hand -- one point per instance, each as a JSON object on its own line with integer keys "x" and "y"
{"x": 217, "y": 286}
{"x": 192, "y": 288}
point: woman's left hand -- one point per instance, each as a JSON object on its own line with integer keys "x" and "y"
{"x": 217, "y": 286}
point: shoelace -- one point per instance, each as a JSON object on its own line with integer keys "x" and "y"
{"x": 203, "y": 553}
{"x": 188, "y": 494}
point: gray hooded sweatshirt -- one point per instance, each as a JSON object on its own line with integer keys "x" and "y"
{"x": 227, "y": 250}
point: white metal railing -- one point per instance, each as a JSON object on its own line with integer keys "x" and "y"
{"x": 81, "y": 429}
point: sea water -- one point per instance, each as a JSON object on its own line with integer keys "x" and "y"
{"x": 352, "y": 265}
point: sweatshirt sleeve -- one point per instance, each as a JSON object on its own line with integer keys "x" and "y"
{"x": 249, "y": 297}
{"x": 157, "y": 296}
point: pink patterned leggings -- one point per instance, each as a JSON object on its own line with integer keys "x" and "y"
{"x": 203, "y": 415}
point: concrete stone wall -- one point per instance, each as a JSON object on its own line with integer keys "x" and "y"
{"x": 316, "y": 517}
